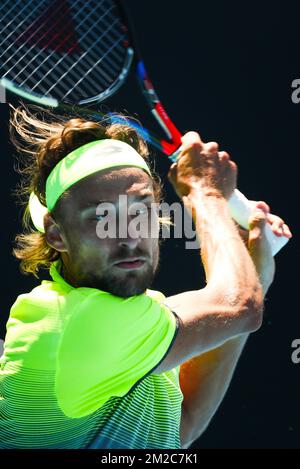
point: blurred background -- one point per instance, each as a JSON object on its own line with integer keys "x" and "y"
{"x": 225, "y": 69}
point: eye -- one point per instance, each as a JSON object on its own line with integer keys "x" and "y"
{"x": 101, "y": 216}
{"x": 142, "y": 211}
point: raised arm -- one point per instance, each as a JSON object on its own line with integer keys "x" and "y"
{"x": 205, "y": 379}
{"x": 232, "y": 301}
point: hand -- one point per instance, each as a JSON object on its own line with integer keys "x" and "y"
{"x": 201, "y": 166}
{"x": 257, "y": 243}
{"x": 276, "y": 223}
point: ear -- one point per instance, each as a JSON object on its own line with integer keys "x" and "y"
{"x": 53, "y": 234}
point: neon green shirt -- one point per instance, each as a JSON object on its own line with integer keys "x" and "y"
{"x": 77, "y": 366}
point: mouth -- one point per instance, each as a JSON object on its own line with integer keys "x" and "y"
{"x": 130, "y": 264}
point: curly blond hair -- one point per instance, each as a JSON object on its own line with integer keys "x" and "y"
{"x": 41, "y": 143}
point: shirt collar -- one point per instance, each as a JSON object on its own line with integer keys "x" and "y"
{"x": 56, "y": 276}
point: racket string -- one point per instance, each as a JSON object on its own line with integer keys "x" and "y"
{"x": 90, "y": 71}
{"x": 13, "y": 20}
{"x": 64, "y": 80}
{"x": 13, "y": 8}
{"x": 69, "y": 70}
{"x": 91, "y": 68}
{"x": 98, "y": 70}
{"x": 34, "y": 45}
{"x": 47, "y": 56}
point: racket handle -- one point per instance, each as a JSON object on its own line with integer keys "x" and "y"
{"x": 240, "y": 208}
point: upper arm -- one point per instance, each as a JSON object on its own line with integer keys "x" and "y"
{"x": 205, "y": 322}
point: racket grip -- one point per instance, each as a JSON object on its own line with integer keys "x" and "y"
{"x": 240, "y": 208}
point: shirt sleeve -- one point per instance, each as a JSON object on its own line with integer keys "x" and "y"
{"x": 107, "y": 346}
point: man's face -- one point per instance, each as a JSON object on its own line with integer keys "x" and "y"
{"x": 107, "y": 264}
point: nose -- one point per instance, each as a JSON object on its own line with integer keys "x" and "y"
{"x": 130, "y": 242}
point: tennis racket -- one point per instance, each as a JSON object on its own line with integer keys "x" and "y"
{"x": 74, "y": 54}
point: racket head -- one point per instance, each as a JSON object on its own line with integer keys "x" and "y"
{"x": 67, "y": 54}
{"x": 55, "y": 51}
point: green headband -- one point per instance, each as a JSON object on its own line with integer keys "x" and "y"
{"x": 80, "y": 163}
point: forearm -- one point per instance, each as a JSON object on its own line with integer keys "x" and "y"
{"x": 228, "y": 266}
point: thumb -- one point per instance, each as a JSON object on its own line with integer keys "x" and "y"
{"x": 259, "y": 247}
{"x": 257, "y": 240}
{"x": 172, "y": 174}
{"x": 257, "y": 221}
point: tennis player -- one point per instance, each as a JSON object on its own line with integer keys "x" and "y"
{"x": 93, "y": 358}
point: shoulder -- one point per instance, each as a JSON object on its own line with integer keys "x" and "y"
{"x": 155, "y": 295}
{"x": 46, "y": 298}
{"x": 96, "y": 307}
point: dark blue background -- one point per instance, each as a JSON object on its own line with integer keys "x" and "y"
{"x": 224, "y": 69}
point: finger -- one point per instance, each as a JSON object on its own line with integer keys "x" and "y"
{"x": 233, "y": 165}
{"x": 286, "y": 231}
{"x": 262, "y": 205}
{"x": 173, "y": 168}
{"x": 257, "y": 240}
{"x": 172, "y": 171}
{"x": 224, "y": 156}
{"x": 259, "y": 247}
{"x": 281, "y": 229}
{"x": 211, "y": 148}
{"x": 191, "y": 141}
{"x": 276, "y": 224}
{"x": 257, "y": 219}
{"x": 191, "y": 137}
